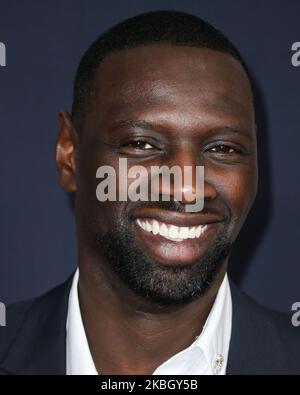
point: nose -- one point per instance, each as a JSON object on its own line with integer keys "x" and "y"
{"x": 191, "y": 184}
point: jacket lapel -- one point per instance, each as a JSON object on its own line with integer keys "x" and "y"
{"x": 255, "y": 346}
{"x": 40, "y": 344}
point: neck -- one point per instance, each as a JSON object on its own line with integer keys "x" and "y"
{"x": 123, "y": 328}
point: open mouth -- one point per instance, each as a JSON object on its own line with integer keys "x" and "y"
{"x": 171, "y": 232}
{"x": 173, "y": 242}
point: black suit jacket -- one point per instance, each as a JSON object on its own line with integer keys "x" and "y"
{"x": 34, "y": 340}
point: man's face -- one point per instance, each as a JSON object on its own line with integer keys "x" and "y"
{"x": 167, "y": 105}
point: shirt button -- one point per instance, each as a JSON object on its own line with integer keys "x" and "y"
{"x": 217, "y": 364}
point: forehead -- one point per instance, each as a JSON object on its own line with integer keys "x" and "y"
{"x": 164, "y": 80}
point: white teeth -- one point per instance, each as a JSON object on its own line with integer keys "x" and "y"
{"x": 148, "y": 227}
{"x": 171, "y": 232}
{"x": 192, "y": 232}
{"x": 198, "y": 231}
{"x": 155, "y": 227}
{"x": 184, "y": 232}
{"x": 142, "y": 225}
{"x": 163, "y": 230}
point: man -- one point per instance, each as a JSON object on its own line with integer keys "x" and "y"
{"x": 151, "y": 295}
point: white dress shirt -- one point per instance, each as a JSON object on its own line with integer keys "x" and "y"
{"x": 207, "y": 355}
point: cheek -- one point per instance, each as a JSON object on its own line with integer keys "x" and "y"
{"x": 239, "y": 193}
{"x": 94, "y": 214}
{"x": 237, "y": 186}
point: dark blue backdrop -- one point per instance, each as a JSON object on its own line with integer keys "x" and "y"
{"x": 44, "y": 42}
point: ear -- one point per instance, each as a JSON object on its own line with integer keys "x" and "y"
{"x": 66, "y": 149}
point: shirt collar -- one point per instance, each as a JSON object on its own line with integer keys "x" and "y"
{"x": 215, "y": 337}
{"x": 208, "y": 354}
{"x": 79, "y": 358}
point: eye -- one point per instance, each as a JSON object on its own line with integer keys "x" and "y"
{"x": 140, "y": 145}
{"x": 137, "y": 147}
{"x": 224, "y": 149}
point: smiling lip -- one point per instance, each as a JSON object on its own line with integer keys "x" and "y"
{"x": 179, "y": 241}
{"x": 170, "y": 231}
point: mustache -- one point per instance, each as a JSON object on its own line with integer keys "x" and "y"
{"x": 177, "y": 207}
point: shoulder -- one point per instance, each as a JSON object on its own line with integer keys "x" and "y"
{"x": 30, "y": 322}
{"x": 267, "y": 317}
{"x": 15, "y": 315}
{"x": 264, "y": 339}
{"x": 290, "y": 338}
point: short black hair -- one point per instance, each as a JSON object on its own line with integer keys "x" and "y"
{"x": 173, "y": 27}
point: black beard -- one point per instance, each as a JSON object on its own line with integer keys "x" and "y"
{"x": 154, "y": 281}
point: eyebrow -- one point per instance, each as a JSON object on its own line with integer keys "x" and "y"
{"x": 134, "y": 123}
{"x": 143, "y": 124}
